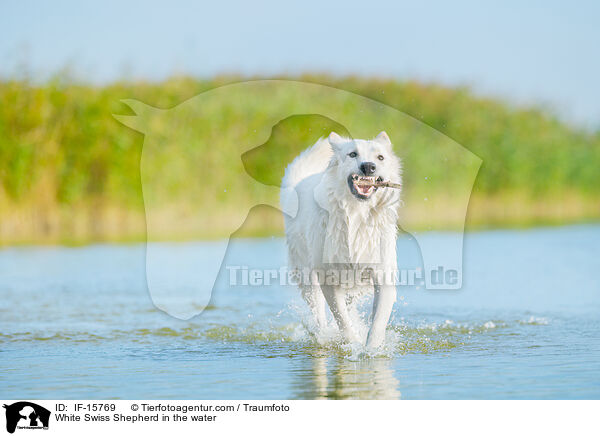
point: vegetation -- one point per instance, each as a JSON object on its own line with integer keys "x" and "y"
{"x": 70, "y": 172}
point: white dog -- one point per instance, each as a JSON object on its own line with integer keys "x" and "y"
{"x": 345, "y": 223}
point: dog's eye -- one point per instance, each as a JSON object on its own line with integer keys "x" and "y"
{"x": 380, "y": 157}
{"x": 353, "y": 154}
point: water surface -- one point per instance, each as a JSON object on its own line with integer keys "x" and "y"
{"x": 79, "y": 323}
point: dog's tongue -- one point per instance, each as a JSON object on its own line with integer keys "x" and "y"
{"x": 364, "y": 189}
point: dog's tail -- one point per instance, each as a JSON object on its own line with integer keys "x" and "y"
{"x": 311, "y": 161}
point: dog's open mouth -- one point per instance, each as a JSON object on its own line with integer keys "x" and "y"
{"x": 363, "y": 186}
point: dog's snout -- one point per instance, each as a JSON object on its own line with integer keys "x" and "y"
{"x": 368, "y": 168}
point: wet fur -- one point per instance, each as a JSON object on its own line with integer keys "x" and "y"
{"x": 334, "y": 226}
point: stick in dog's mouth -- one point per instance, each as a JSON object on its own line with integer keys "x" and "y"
{"x": 365, "y": 184}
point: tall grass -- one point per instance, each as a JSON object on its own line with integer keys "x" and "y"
{"x": 69, "y": 171}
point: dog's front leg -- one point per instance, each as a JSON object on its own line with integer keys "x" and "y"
{"x": 313, "y": 296}
{"x": 383, "y": 302}
{"x": 336, "y": 298}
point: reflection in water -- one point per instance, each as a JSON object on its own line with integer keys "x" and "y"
{"x": 339, "y": 378}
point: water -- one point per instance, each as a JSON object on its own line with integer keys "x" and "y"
{"x": 78, "y": 323}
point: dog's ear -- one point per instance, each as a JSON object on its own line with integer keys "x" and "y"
{"x": 384, "y": 139}
{"x": 336, "y": 141}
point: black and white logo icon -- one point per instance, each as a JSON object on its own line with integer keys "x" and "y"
{"x": 26, "y": 415}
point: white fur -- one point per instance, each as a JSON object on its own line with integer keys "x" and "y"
{"x": 334, "y": 227}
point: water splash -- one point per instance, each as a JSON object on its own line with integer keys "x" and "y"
{"x": 301, "y": 335}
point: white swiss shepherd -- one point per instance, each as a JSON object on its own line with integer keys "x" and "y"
{"x": 344, "y": 224}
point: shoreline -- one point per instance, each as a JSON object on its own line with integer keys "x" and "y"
{"x": 86, "y": 225}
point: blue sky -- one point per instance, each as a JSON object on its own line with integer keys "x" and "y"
{"x": 540, "y": 52}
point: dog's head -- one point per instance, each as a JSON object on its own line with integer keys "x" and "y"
{"x": 360, "y": 163}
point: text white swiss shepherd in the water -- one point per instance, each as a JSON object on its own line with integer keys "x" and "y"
{"x": 344, "y": 222}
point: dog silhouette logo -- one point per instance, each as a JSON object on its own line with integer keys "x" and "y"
{"x": 26, "y": 415}
{"x": 249, "y": 134}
